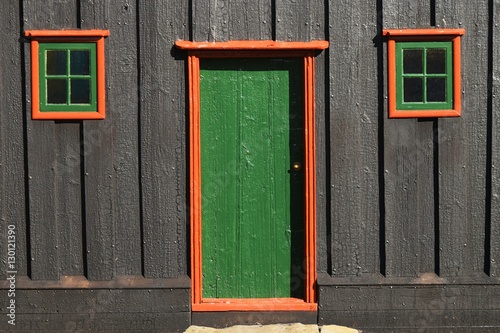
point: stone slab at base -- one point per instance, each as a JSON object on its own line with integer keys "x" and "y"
{"x": 337, "y": 329}
{"x": 279, "y": 328}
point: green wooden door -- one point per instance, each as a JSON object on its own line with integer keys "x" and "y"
{"x": 252, "y": 133}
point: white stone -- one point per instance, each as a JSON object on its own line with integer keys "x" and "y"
{"x": 337, "y": 329}
{"x": 280, "y": 328}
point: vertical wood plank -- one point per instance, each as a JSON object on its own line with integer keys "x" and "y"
{"x": 495, "y": 167}
{"x": 409, "y": 169}
{"x": 54, "y": 167}
{"x": 12, "y": 148}
{"x": 463, "y": 146}
{"x": 111, "y": 149}
{"x": 100, "y": 181}
{"x": 300, "y": 20}
{"x": 223, "y": 20}
{"x": 163, "y": 137}
{"x": 305, "y": 21}
{"x": 353, "y": 137}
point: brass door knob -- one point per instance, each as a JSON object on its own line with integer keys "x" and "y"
{"x": 296, "y": 166}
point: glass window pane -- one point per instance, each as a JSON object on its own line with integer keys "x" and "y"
{"x": 56, "y": 91}
{"x": 80, "y": 62}
{"x": 413, "y": 61}
{"x": 80, "y": 91}
{"x": 436, "y": 61}
{"x": 56, "y": 62}
{"x": 413, "y": 89}
{"x": 436, "y": 89}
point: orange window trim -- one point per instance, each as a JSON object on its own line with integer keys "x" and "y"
{"x": 245, "y": 45}
{"x": 395, "y": 35}
{"x": 234, "y": 49}
{"x": 61, "y": 36}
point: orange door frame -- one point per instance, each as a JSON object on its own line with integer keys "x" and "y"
{"x": 240, "y": 49}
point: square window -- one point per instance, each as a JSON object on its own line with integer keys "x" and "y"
{"x": 424, "y": 76}
{"x": 424, "y": 72}
{"x": 67, "y": 79}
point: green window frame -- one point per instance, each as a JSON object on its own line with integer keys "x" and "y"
{"x": 424, "y": 75}
{"x": 68, "y": 77}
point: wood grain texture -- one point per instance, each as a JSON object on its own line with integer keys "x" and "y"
{"x": 223, "y": 20}
{"x": 232, "y": 318}
{"x": 111, "y": 150}
{"x": 305, "y": 21}
{"x": 53, "y": 167}
{"x": 156, "y": 310}
{"x": 12, "y": 148}
{"x": 495, "y": 166}
{"x": 299, "y": 20}
{"x": 407, "y": 14}
{"x": 408, "y": 170}
{"x": 463, "y": 146}
{"x": 163, "y": 138}
{"x": 252, "y": 131}
{"x": 459, "y": 308}
{"x": 353, "y": 130}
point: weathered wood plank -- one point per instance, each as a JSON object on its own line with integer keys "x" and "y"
{"x": 311, "y": 17}
{"x": 53, "y": 166}
{"x": 404, "y": 321}
{"x": 408, "y": 169}
{"x": 225, "y": 20}
{"x": 463, "y": 146}
{"x": 495, "y": 167}
{"x": 111, "y": 149}
{"x": 103, "y": 301}
{"x": 100, "y": 323}
{"x": 69, "y": 210}
{"x": 299, "y": 20}
{"x": 323, "y": 216}
{"x": 322, "y": 143}
{"x": 398, "y": 308}
{"x": 128, "y": 310}
{"x": 353, "y": 137}
{"x": 407, "y": 14}
{"x": 12, "y": 171}
{"x": 81, "y": 282}
{"x": 232, "y": 318}
{"x": 163, "y": 138}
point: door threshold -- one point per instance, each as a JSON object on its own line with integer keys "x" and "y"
{"x": 254, "y": 304}
{"x": 232, "y": 318}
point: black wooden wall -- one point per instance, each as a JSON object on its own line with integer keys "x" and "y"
{"x": 408, "y": 210}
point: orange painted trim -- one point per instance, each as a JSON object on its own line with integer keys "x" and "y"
{"x": 310, "y": 179}
{"x": 96, "y": 36}
{"x": 254, "y": 304}
{"x": 457, "y": 77}
{"x": 101, "y": 81}
{"x": 395, "y": 35}
{"x": 66, "y": 33}
{"x": 391, "y": 84}
{"x": 195, "y": 178}
{"x": 35, "y": 73}
{"x": 281, "y": 304}
{"x": 247, "y": 45}
{"x": 250, "y": 54}
{"x": 423, "y": 32}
